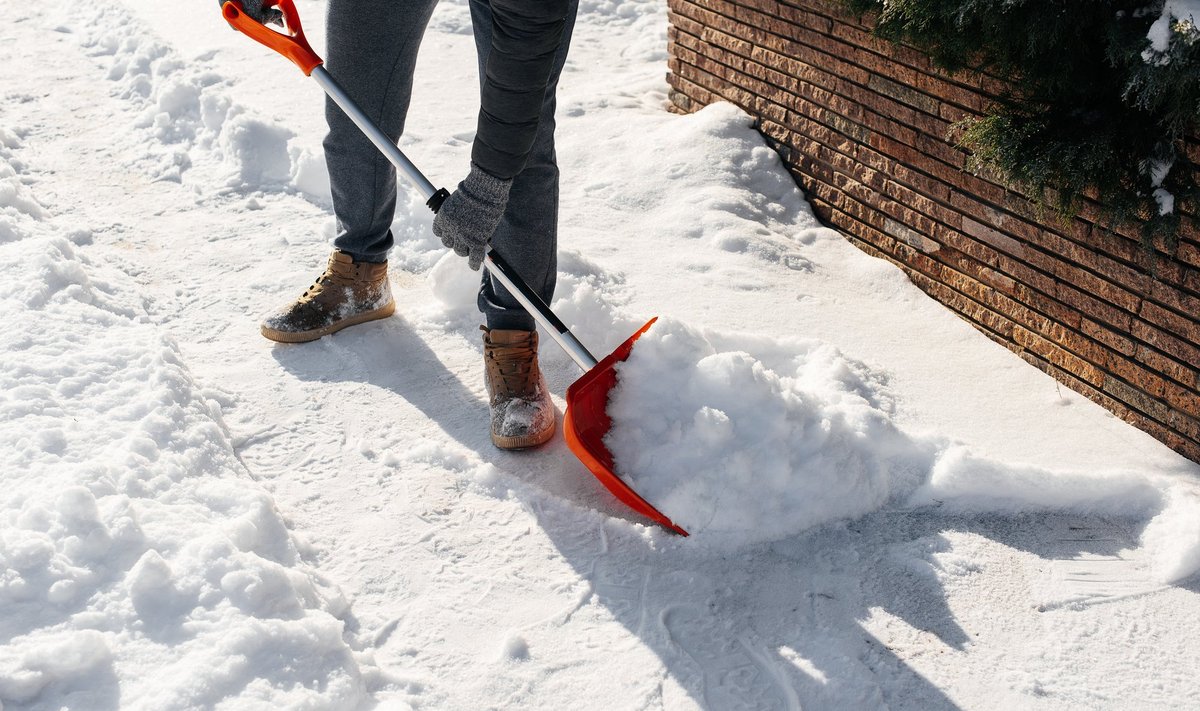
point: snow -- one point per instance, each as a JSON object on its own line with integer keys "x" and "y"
{"x": 132, "y": 536}
{"x": 1158, "y": 173}
{"x": 739, "y": 450}
{"x": 1162, "y": 31}
{"x": 195, "y": 518}
{"x": 1177, "y": 22}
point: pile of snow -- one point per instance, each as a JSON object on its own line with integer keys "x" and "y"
{"x": 138, "y": 561}
{"x": 740, "y": 449}
{"x": 723, "y": 186}
{"x": 743, "y": 440}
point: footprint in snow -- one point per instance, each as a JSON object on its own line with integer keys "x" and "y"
{"x": 732, "y": 677}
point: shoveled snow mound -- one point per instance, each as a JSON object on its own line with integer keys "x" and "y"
{"x": 741, "y": 441}
{"x": 139, "y": 563}
{"x": 739, "y": 449}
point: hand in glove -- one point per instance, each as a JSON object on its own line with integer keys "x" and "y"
{"x": 469, "y": 217}
{"x": 255, "y": 11}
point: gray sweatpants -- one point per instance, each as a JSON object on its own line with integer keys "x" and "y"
{"x": 372, "y": 50}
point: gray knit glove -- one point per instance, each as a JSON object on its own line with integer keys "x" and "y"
{"x": 469, "y": 217}
{"x": 255, "y": 11}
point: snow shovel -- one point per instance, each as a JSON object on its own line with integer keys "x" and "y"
{"x": 586, "y": 420}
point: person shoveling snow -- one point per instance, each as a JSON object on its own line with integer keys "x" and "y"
{"x": 518, "y": 106}
{"x": 725, "y": 439}
{"x": 509, "y": 199}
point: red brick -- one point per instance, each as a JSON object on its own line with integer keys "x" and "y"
{"x": 1136, "y": 399}
{"x": 914, "y": 179}
{"x": 1185, "y": 424}
{"x": 952, "y": 93}
{"x": 1048, "y": 305}
{"x": 978, "y": 271}
{"x": 1165, "y": 342}
{"x": 1116, "y": 341}
{"x": 921, "y": 203}
{"x": 1059, "y": 357}
{"x": 1070, "y": 338}
{"x": 994, "y": 237}
{"x": 1188, "y": 253}
{"x": 1186, "y": 328}
{"x": 1133, "y": 374}
{"x": 1174, "y": 298}
{"x": 1184, "y": 398}
{"x": 1092, "y": 307}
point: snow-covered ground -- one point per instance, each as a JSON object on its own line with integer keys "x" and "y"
{"x": 890, "y": 510}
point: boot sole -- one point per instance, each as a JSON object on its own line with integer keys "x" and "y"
{"x": 306, "y": 336}
{"x": 525, "y": 441}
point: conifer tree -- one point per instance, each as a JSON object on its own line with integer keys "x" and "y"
{"x": 1094, "y": 108}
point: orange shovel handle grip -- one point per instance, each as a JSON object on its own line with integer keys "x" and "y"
{"x": 291, "y": 44}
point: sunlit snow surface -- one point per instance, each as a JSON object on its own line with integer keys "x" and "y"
{"x": 890, "y": 510}
{"x": 131, "y": 535}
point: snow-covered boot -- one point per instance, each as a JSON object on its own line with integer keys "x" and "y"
{"x": 522, "y": 412}
{"x": 349, "y": 292}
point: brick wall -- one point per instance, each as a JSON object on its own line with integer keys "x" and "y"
{"x": 864, "y": 126}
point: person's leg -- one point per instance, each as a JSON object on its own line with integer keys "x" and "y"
{"x": 522, "y": 413}
{"x": 528, "y": 235}
{"x": 372, "y": 51}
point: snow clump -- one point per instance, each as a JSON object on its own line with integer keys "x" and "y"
{"x": 1186, "y": 12}
{"x": 739, "y": 450}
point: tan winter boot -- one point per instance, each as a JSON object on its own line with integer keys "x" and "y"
{"x": 522, "y": 412}
{"x": 347, "y": 293}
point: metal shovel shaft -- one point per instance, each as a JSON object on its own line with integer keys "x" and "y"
{"x": 537, "y": 308}
{"x": 500, "y": 269}
{"x": 373, "y": 132}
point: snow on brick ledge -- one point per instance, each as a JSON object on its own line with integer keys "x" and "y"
{"x": 862, "y": 124}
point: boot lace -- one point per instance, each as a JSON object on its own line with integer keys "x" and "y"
{"x": 332, "y": 273}
{"x": 317, "y": 287}
{"x": 516, "y": 368}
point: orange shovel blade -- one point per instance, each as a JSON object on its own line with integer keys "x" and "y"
{"x": 586, "y": 422}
